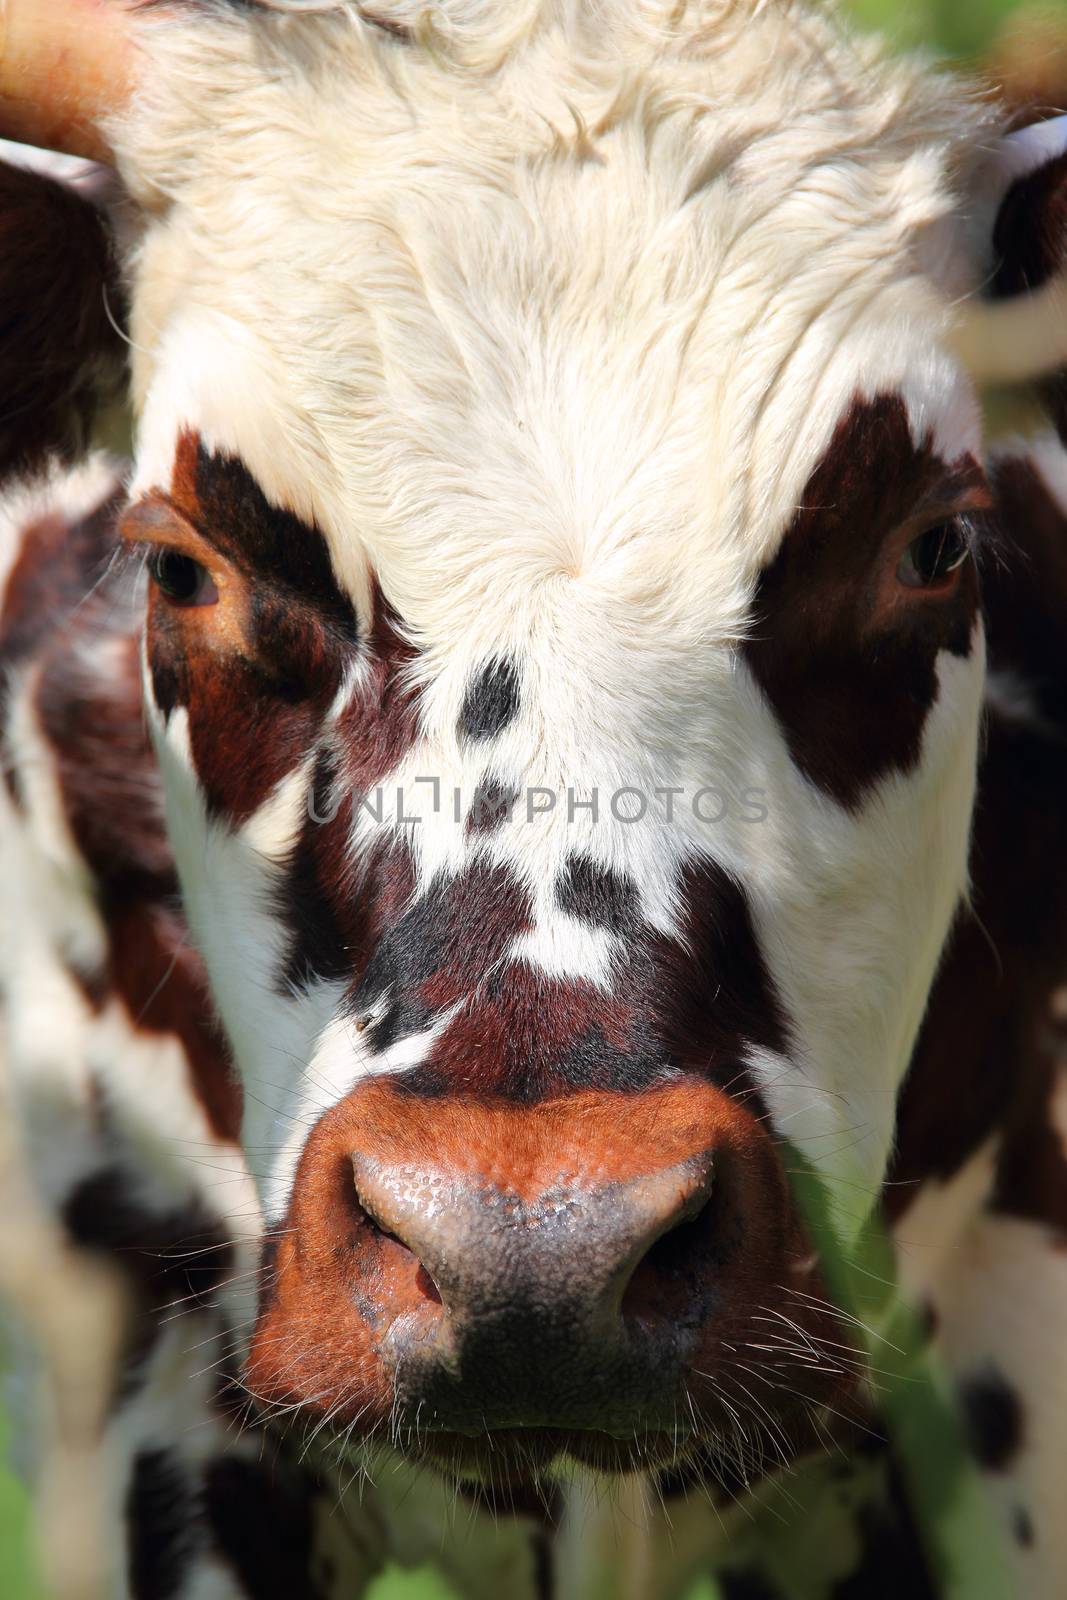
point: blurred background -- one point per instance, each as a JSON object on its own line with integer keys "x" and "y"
{"x": 1021, "y": 47}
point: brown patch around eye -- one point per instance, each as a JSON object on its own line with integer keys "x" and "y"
{"x": 155, "y": 524}
{"x": 154, "y": 521}
{"x": 845, "y": 653}
{"x": 256, "y": 669}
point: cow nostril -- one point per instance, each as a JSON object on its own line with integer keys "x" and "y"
{"x": 674, "y": 1249}
{"x": 677, "y": 1259}
{"x": 383, "y": 1206}
{"x": 425, "y": 1282}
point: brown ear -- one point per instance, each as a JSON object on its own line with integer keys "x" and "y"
{"x": 1030, "y": 229}
{"x": 1030, "y": 237}
{"x": 1017, "y": 330}
{"x": 61, "y": 357}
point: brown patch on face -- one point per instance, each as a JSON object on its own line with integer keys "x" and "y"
{"x": 694, "y": 1003}
{"x": 845, "y": 655}
{"x": 59, "y": 560}
{"x": 257, "y": 687}
{"x": 987, "y": 1060}
{"x": 380, "y": 724}
{"x": 1026, "y": 602}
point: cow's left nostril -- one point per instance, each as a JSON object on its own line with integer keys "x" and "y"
{"x": 677, "y": 1257}
{"x": 424, "y": 1282}
{"x": 394, "y": 1201}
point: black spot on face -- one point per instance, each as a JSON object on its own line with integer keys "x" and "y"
{"x": 315, "y": 890}
{"x": 438, "y": 950}
{"x": 162, "y": 1523}
{"x": 993, "y": 1418}
{"x": 1022, "y": 1527}
{"x": 1028, "y": 236}
{"x": 596, "y": 895}
{"x": 492, "y": 701}
{"x": 852, "y": 676}
{"x": 492, "y": 807}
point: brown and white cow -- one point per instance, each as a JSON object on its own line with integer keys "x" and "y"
{"x": 531, "y": 676}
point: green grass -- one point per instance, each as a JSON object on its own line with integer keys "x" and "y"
{"x": 16, "y": 1567}
{"x": 959, "y": 27}
{"x": 419, "y": 1584}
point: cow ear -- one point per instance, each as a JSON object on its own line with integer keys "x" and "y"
{"x": 1016, "y": 328}
{"x": 62, "y": 358}
{"x": 1028, "y": 176}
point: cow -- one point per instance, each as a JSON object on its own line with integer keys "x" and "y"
{"x": 499, "y": 923}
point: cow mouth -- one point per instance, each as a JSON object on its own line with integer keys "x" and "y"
{"x": 517, "y": 1459}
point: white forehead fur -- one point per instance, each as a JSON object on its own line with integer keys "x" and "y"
{"x": 557, "y": 291}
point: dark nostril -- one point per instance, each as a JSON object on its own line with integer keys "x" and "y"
{"x": 676, "y": 1257}
{"x": 424, "y": 1282}
{"x": 674, "y": 1249}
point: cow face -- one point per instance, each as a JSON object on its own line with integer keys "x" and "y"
{"x": 564, "y": 656}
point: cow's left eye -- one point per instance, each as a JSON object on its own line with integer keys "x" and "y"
{"x": 932, "y": 558}
{"x": 184, "y": 581}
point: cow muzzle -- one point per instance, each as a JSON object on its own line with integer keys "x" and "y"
{"x": 525, "y": 1320}
{"x": 465, "y": 1271}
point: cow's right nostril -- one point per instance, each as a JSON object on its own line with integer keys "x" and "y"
{"x": 424, "y": 1281}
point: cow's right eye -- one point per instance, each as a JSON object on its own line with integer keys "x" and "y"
{"x": 184, "y": 581}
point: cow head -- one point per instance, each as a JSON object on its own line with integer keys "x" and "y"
{"x": 562, "y": 497}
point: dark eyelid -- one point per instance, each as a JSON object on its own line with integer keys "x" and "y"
{"x": 961, "y": 490}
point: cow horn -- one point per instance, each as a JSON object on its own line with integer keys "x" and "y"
{"x": 65, "y": 66}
